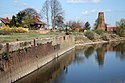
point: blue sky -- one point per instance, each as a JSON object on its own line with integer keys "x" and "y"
{"x": 83, "y": 10}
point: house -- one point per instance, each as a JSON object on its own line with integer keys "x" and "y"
{"x": 77, "y": 29}
{"x": 5, "y": 21}
{"x": 37, "y": 24}
{"x": 111, "y": 29}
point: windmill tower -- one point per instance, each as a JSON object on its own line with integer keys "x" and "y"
{"x": 101, "y": 21}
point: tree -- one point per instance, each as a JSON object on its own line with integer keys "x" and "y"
{"x": 95, "y": 24}
{"x": 56, "y": 10}
{"x": 121, "y": 28}
{"x": 45, "y": 11}
{"x": 53, "y": 9}
{"x": 27, "y": 22}
{"x": 31, "y": 12}
{"x": 19, "y": 18}
{"x": 59, "y": 21}
{"x": 13, "y": 21}
{"x": 24, "y": 18}
{"x": 87, "y": 26}
{"x": 75, "y": 24}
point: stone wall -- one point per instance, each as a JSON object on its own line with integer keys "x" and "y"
{"x": 21, "y": 58}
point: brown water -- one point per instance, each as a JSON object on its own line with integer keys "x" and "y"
{"x": 103, "y": 63}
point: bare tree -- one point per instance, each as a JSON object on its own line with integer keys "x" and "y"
{"x": 75, "y": 24}
{"x": 56, "y": 11}
{"x": 59, "y": 22}
{"x": 45, "y": 11}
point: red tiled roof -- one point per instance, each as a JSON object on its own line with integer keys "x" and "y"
{"x": 37, "y": 21}
{"x": 5, "y": 20}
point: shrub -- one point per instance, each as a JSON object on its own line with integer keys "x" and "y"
{"x": 121, "y": 31}
{"x": 105, "y": 37}
{"x": 121, "y": 28}
{"x": 5, "y": 30}
{"x": 21, "y": 30}
{"x": 18, "y": 30}
{"x": 100, "y": 31}
{"x": 14, "y": 30}
{"x": 89, "y": 34}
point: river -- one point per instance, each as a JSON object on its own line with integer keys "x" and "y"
{"x": 102, "y": 63}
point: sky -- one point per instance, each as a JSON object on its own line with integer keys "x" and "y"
{"x": 78, "y": 10}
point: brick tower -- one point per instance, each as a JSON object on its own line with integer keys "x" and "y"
{"x": 101, "y": 21}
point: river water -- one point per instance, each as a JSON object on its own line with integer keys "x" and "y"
{"x": 102, "y": 63}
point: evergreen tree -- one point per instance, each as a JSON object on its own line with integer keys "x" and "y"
{"x": 87, "y": 26}
{"x": 13, "y": 21}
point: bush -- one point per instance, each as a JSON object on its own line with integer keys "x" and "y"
{"x": 100, "y": 31}
{"x": 18, "y": 30}
{"x": 120, "y": 28}
{"x": 14, "y": 30}
{"x": 120, "y": 31}
{"x": 5, "y": 30}
{"x": 89, "y": 34}
{"x": 105, "y": 37}
{"x": 21, "y": 30}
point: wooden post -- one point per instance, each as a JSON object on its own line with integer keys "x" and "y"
{"x": 34, "y": 41}
{"x": 7, "y": 48}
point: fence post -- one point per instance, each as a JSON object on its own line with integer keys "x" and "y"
{"x": 34, "y": 41}
{"x": 7, "y": 48}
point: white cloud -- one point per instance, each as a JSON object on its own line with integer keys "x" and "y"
{"x": 83, "y": 1}
{"x": 19, "y": 3}
{"x": 89, "y": 12}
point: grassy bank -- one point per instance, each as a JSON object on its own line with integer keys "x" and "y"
{"x": 96, "y": 36}
{"x": 23, "y": 36}
{"x": 80, "y": 37}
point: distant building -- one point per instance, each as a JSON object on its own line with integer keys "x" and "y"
{"x": 101, "y": 21}
{"x": 111, "y": 29}
{"x": 101, "y": 24}
{"x": 37, "y": 24}
{"x": 77, "y": 29}
{"x": 5, "y": 21}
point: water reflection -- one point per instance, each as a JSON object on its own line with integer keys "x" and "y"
{"x": 120, "y": 51}
{"x": 79, "y": 64}
{"x": 79, "y": 59}
{"x": 101, "y": 49}
{"x": 51, "y": 71}
{"x": 89, "y": 51}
